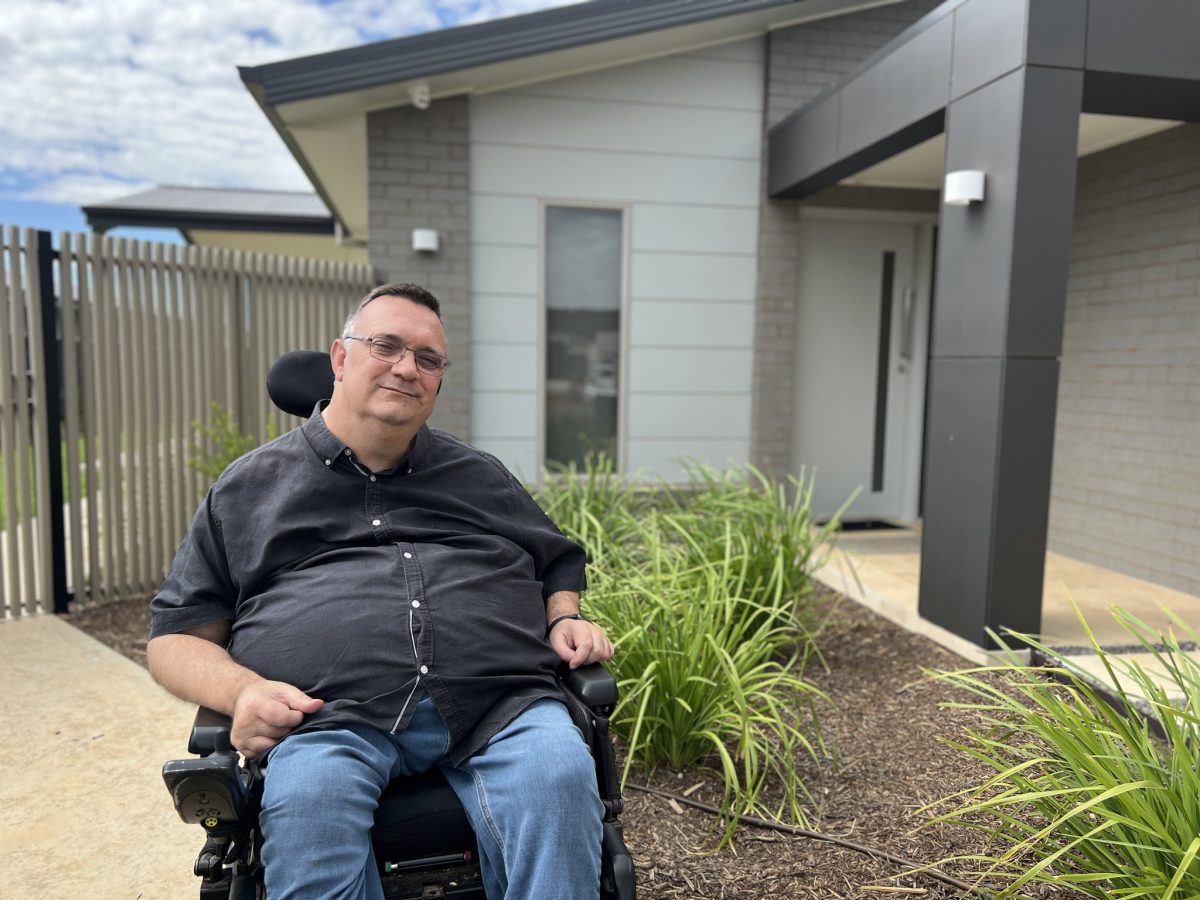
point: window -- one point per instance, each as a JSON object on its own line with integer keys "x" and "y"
{"x": 583, "y": 331}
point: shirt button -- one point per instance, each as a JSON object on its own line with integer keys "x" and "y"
{"x": 416, "y": 604}
{"x": 375, "y": 522}
{"x": 424, "y": 670}
{"x": 407, "y": 555}
{"x": 329, "y": 462}
{"x": 372, "y": 477}
{"x": 347, "y": 451}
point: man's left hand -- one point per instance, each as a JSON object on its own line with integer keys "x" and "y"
{"x": 579, "y": 643}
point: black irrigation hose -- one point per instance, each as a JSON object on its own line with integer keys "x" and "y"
{"x": 814, "y": 835}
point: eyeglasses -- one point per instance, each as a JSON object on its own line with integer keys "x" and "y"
{"x": 393, "y": 351}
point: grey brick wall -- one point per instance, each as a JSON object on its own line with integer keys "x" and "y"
{"x": 1126, "y": 481}
{"x": 801, "y": 62}
{"x": 418, "y": 169}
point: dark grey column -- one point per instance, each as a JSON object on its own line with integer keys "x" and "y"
{"x": 997, "y": 335}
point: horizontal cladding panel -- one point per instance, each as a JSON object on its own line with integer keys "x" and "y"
{"x": 684, "y": 276}
{"x": 504, "y": 415}
{"x": 689, "y": 324}
{"x": 613, "y": 125}
{"x": 666, "y": 459}
{"x": 604, "y": 175}
{"x": 690, "y": 371}
{"x": 504, "y": 270}
{"x": 695, "y": 229}
{"x": 518, "y": 455}
{"x": 706, "y": 416}
{"x": 732, "y": 78}
{"x": 504, "y": 220}
{"x": 504, "y": 318}
{"x": 504, "y": 367}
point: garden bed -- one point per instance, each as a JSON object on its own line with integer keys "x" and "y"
{"x": 889, "y": 724}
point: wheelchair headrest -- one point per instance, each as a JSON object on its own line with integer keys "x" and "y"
{"x": 299, "y": 379}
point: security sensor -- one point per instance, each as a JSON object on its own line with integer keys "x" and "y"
{"x": 420, "y": 96}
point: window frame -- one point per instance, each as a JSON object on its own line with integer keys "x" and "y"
{"x": 623, "y": 313}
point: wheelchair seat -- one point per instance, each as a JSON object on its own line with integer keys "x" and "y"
{"x": 424, "y": 845}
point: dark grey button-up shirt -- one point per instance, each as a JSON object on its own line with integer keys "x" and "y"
{"x": 366, "y": 589}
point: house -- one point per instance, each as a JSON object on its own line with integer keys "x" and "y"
{"x": 945, "y": 254}
{"x": 291, "y": 223}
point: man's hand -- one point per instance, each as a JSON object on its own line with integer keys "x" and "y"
{"x": 579, "y": 643}
{"x": 265, "y": 713}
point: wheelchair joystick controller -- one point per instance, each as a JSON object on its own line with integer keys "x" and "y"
{"x": 208, "y": 791}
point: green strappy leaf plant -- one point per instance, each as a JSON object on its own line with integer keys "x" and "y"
{"x": 705, "y": 593}
{"x": 1101, "y": 800}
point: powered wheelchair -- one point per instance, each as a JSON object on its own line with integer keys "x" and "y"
{"x": 423, "y": 843}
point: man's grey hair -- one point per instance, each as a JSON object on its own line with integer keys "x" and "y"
{"x": 413, "y": 292}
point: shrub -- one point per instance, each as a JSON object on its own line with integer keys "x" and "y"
{"x": 220, "y": 442}
{"x": 593, "y": 506}
{"x": 781, "y": 540}
{"x": 710, "y": 668}
{"x": 1087, "y": 797}
{"x": 703, "y": 597}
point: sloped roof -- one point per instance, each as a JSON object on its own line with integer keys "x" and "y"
{"x": 173, "y": 206}
{"x": 467, "y": 46}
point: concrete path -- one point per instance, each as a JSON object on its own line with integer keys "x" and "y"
{"x": 83, "y": 736}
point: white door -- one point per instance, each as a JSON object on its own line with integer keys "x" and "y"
{"x": 861, "y": 336}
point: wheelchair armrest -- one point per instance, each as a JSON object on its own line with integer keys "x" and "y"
{"x": 593, "y": 684}
{"x": 210, "y": 732}
{"x": 591, "y": 695}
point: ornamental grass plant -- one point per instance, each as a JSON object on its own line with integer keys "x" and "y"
{"x": 704, "y": 593}
{"x": 1089, "y": 797}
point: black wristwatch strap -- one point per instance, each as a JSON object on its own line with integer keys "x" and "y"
{"x": 557, "y": 619}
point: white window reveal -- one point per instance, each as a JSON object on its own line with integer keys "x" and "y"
{"x": 583, "y": 331}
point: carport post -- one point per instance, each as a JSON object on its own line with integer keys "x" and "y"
{"x": 997, "y": 336}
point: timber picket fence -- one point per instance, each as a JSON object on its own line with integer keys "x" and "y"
{"x": 110, "y": 351}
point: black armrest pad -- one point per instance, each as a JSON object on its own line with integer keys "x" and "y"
{"x": 210, "y": 732}
{"x": 593, "y": 684}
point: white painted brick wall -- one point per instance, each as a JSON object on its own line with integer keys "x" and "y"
{"x": 1126, "y": 482}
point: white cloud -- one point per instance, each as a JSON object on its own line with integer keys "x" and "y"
{"x": 102, "y": 97}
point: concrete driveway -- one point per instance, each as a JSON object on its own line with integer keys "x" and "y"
{"x": 83, "y": 736}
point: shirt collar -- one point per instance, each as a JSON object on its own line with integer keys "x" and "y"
{"x": 330, "y": 448}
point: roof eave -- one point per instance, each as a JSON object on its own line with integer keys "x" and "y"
{"x": 256, "y": 90}
{"x": 104, "y": 217}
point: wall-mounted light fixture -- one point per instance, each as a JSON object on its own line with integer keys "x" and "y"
{"x": 425, "y": 240}
{"x": 963, "y": 188}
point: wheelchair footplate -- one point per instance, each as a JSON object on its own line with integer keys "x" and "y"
{"x": 445, "y": 875}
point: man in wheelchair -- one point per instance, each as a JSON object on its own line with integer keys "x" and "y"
{"x": 368, "y": 598}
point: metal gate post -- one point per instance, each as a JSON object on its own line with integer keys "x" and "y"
{"x": 52, "y": 353}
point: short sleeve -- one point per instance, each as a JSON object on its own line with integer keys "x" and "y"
{"x": 198, "y": 589}
{"x": 559, "y": 562}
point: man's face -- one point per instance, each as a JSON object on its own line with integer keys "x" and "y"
{"x": 398, "y": 393}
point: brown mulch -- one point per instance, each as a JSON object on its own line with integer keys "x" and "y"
{"x": 889, "y": 729}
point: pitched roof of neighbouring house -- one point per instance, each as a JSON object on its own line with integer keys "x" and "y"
{"x": 222, "y": 209}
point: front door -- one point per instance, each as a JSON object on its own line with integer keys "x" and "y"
{"x": 861, "y": 337}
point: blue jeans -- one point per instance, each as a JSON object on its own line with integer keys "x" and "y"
{"x": 530, "y": 794}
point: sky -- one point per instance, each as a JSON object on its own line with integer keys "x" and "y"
{"x": 102, "y": 98}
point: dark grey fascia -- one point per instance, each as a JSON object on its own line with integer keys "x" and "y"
{"x": 102, "y": 218}
{"x": 1136, "y": 61}
{"x": 432, "y": 53}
